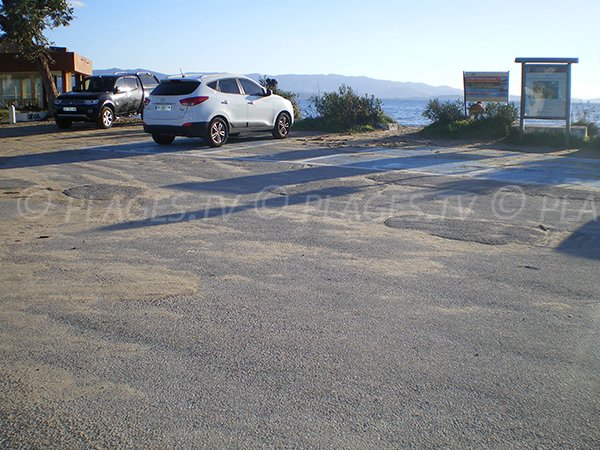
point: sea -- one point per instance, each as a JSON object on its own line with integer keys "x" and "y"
{"x": 409, "y": 112}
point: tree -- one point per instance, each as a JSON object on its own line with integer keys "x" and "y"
{"x": 268, "y": 83}
{"x": 23, "y": 22}
{"x": 272, "y": 84}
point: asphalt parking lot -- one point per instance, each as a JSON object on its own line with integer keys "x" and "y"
{"x": 322, "y": 291}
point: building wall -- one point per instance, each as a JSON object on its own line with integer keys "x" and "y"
{"x": 24, "y": 90}
{"x": 20, "y": 82}
{"x": 62, "y": 61}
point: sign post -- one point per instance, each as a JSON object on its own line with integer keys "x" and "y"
{"x": 546, "y": 91}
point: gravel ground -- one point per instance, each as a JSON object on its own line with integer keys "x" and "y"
{"x": 186, "y": 297}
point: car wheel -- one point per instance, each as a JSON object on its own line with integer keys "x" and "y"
{"x": 217, "y": 132}
{"x": 282, "y": 126}
{"x": 63, "y": 123}
{"x": 107, "y": 117}
{"x": 162, "y": 139}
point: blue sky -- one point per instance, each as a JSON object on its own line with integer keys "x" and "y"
{"x": 430, "y": 41}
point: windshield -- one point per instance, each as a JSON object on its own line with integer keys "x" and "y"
{"x": 98, "y": 84}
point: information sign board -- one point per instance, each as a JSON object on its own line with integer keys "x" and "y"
{"x": 486, "y": 86}
{"x": 546, "y": 91}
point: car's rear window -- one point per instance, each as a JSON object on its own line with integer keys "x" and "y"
{"x": 176, "y": 87}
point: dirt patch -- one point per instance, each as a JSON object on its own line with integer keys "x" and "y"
{"x": 258, "y": 252}
{"x": 409, "y": 137}
{"x": 14, "y": 184}
{"x": 72, "y": 276}
{"x": 45, "y": 137}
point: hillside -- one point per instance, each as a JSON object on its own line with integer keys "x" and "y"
{"x": 307, "y": 85}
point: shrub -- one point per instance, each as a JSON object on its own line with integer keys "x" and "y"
{"x": 443, "y": 113}
{"x": 499, "y": 118}
{"x": 548, "y": 138}
{"x": 345, "y": 110}
{"x": 271, "y": 83}
{"x": 448, "y": 120}
{"x": 505, "y": 114}
{"x": 586, "y": 115}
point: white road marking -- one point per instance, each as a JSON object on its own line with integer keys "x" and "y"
{"x": 318, "y": 158}
{"x": 509, "y": 167}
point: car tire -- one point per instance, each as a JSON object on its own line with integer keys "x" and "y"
{"x": 162, "y": 139}
{"x": 106, "y": 118}
{"x": 63, "y": 124}
{"x": 281, "y": 130}
{"x": 217, "y": 133}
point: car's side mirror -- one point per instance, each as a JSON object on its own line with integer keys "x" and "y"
{"x": 118, "y": 90}
{"x": 268, "y": 92}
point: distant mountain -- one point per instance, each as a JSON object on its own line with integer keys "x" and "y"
{"x": 307, "y": 85}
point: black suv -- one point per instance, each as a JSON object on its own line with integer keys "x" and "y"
{"x": 103, "y": 98}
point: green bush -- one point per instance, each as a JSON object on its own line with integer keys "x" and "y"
{"x": 444, "y": 113}
{"x": 271, "y": 83}
{"x": 550, "y": 138}
{"x": 595, "y": 143}
{"x": 448, "y": 120}
{"x": 587, "y": 116}
{"x": 345, "y": 110}
{"x": 505, "y": 114}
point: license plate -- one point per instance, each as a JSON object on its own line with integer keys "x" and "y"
{"x": 70, "y": 109}
{"x": 163, "y": 107}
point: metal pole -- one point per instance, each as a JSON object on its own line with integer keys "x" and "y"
{"x": 12, "y": 114}
{"x": 568, "y": 108}
{"x": 522, "y": 115}
{"x": 465, "y": 93}
{"x": 508, "y": 88}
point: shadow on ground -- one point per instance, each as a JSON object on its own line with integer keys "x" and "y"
{"x": 584, "y": 242}
{"x": 87, "y": 154}
{"x": 259, "y": 204}
{"x": 49, "y": 127}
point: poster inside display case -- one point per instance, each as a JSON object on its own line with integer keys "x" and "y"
{"x": 546, "y": 91}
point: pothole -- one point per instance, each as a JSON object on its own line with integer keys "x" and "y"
{"x": 469, "y": 230}
{"x": 102, "y": 191}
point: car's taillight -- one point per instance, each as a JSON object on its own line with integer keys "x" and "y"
{"x": 146, "y": 101}
{"x": 193, "y": 101}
